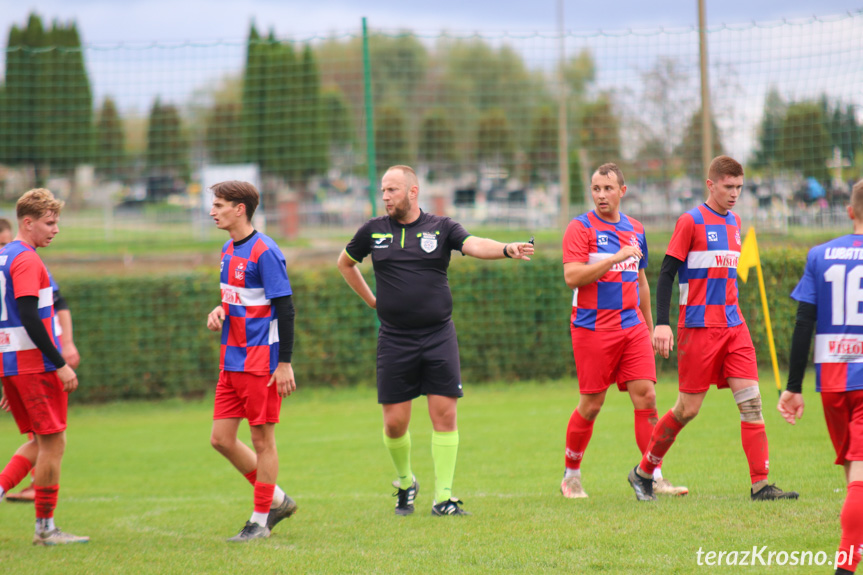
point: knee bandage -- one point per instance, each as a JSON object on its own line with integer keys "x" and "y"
{"x": 749, "y": 403}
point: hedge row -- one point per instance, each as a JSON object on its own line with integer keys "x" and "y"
{"x": 146, "y": 337}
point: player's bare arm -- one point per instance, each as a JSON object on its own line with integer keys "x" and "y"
{"x": 791, "y": 406}
{"x": 488, "y": 249}
{"x": 216, "y": 318}
{"x": 578, "y": 274}
{"x": 663, "y": 340}
{"x": 644, "y": 301}
{"x": 70, "y": 350}
{"x": 283, "y": 377}
{"x": 349, "y": 270}
{"x": 69, "y": 378}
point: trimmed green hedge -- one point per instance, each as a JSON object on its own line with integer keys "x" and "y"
{"x": 147, "y": 337}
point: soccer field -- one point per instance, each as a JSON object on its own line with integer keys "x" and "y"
{"x": 143, "y": 482}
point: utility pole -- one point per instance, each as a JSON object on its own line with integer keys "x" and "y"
{"x": 706, "y": 124}
{"x": 562, "y": 140}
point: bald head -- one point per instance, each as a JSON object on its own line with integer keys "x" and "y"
{"x": 409, "y": 174}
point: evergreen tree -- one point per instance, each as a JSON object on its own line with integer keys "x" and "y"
{"x": 544, "y": 143}
{"x": 690, "y": 148}
{"x": 48, "y": 99}
{"x": 252, "y": 115}
{"x": 769, "y": 132}
{"x": 338, "y": 123}
{"x": 167, "y": 148}
{"x": 310, "y": 118}
{"x": 437, "y": 141}
{"x": 600, "y": 131}
{"x": 111, "y": 162}
{"x": 224, "y": 137}
{"x": 804, "y": 144}
{"x": 391, "y": 139}
{"x": 496, "y": 145}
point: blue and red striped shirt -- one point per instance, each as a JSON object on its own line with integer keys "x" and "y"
{"x": 612, "y": 302}
{"x": 252, "y": 273}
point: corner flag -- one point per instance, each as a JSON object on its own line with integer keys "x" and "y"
{"x": 750, "y": 258}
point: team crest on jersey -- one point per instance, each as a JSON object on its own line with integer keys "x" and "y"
{"x": 737, "y": 236}
{"x": 712, "y": 236}
{"x": 601, "y": 240}
{"x": 633, "y": 240}
{"x": 239, "y": 273}
{"x": 428, "y": 243}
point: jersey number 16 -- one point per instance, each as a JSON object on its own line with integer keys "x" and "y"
{"x": 847, "y": 294}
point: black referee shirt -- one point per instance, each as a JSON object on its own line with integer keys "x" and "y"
{"x": 410, "y": 263}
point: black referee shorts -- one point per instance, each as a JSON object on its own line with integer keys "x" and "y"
{"x": 410, "y": 365}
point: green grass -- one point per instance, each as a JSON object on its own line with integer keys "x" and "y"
{"x": 143, "y": 482}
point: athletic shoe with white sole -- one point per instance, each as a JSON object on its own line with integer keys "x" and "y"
{"x": 769, "y": 492}
{"x": 449, "y": 507}
{"x": 57, "y": 537}
{"x": 250, "y": 531}
{"x": 283, "y": 511}
{"x": 643, "y": 487}
{"x": 662, "y": 486}
{"x": 571, "y": 488}
{"x": 405, "y": 503}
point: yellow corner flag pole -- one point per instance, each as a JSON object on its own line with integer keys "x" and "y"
{"x": 750, "y": 258}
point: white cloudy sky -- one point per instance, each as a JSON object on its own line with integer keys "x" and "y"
{"x": 110, "y": 21}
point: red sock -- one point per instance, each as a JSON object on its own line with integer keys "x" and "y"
{"x": 664, "y": 434}
{"x": 46, "y": 501}
{"x": 578, "y": 434}
{"x": 263, "y": 496}
{"x": 14, "y": 472}
{"x": 852, "y": 527}
{"x": 645, "y": 421}
{"x": 251, "y": 476}
{"x": 754, "y": 439}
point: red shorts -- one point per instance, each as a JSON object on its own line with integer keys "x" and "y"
{"x": 37, "y": 401}
{"x": 246, "y": 395}
{"x": 606, "y": 357}
{"x": 710, "y": 355}
{"x": 844, "y": 414}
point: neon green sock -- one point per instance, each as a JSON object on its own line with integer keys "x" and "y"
{"x": 444, "y": 453}
{"x": 400, "y": 451}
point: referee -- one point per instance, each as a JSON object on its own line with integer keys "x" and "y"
{"x": 417, "y": 345}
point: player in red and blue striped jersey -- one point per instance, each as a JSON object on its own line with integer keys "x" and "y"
{"x": 604, "y": 258}
{"x": 256, "y": 318}
{"x": 830, "y": 296}
{"x": 68, "y": 350}
{"x": 36, "y": 378}
{"x": 714, "y": 343}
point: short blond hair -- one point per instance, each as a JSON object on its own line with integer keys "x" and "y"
{"x": 38, "y": 202}
{"x": 857, "y": 200}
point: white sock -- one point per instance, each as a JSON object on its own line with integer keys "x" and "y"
{"x": 657, "y": 474}
{"x": 567, "y": 473}
{"x": 278, "y": 497}
{"x": 259, "y": 518}
{"x": 44, "y": 525}
{"x": 2, "y": 493}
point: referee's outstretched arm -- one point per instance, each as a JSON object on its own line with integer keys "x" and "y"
{"x": 487, "y": 249}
